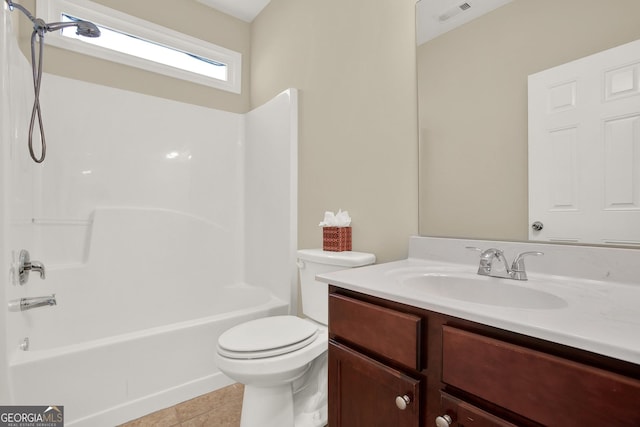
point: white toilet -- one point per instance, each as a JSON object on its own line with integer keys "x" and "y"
{"x": 282, "y": 360}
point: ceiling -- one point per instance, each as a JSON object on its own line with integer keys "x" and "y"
{"x": 246, "y": 10}
{"x": 433, "y": 17}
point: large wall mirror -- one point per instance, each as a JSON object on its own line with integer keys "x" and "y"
{"x": 472, "y": 94}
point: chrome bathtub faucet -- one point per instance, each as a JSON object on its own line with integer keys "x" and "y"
{"x": 35, "y": 302}
{"x": 516, "y": 271}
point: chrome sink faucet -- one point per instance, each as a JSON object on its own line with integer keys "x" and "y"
{"x": 517, "y": 270}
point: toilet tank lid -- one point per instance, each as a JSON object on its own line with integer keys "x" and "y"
{"x": 343, "y": 259}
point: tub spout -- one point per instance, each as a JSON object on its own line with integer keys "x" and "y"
{"x": 29, "y": 303}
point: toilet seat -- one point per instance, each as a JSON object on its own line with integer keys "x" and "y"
{"x": 267, "y": 337}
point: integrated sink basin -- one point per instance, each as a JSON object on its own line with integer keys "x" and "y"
{"x": 486, "y": 290}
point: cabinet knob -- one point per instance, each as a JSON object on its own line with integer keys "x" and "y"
{"x": 443, "y": 421}
{"x": 402, "y": 402}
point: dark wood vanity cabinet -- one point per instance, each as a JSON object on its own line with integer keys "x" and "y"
{"x": 393, "y": 365}
{"x": 373, "y": 365}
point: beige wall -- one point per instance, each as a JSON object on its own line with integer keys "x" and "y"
{"x": 473, "y": 107}
{"x": 354, "y": 63}
{"x": 188, "y": 17}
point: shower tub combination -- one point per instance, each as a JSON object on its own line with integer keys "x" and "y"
{"x": 169, "y": 225}
{"x": 135, "y": 329}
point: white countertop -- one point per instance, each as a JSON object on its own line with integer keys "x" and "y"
{"x": 600, "y": 315}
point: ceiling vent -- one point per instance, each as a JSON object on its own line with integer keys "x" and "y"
{"x": 453, "y": 11}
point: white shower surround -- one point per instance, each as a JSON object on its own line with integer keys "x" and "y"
{"x": 160, "y": 223}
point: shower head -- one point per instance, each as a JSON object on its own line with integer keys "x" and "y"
{"x": 84, "y": 28}
{"x": 87, "y": 29}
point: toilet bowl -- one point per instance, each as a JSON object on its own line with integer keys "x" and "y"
{"x": 274, "y": 374}
{"x": 282, "y": 360}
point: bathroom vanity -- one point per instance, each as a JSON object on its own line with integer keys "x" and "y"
{"x": 561, "y": 350}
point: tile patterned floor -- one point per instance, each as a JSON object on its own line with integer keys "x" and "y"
{"x": 220, "y": 408}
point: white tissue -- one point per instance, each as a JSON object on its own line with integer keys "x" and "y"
{"x": 341, "y": 219}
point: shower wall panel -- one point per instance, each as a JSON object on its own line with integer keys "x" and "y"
{"x": 16, "y": 180}
{"x": 114, "y": 148}
{"x": 271, "y": 191}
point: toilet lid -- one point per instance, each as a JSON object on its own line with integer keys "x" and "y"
{"x": 267, "y": 337}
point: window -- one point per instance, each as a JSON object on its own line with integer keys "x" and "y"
{"x": 135, "y": 42}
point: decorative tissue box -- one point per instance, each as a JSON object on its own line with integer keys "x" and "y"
{"x": 336, "y": 239}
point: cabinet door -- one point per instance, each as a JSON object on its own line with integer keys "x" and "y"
{"x": 363, "y": 392}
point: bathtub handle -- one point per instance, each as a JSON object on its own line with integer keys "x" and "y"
{"x": 26, "y": 265}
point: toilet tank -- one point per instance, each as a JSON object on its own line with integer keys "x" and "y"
{"x": 311, "y": 262}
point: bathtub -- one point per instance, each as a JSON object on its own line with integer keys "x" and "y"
{"x": 111, "y": 380}
{"x": 135, "y": 328}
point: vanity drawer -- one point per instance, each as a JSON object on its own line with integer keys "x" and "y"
{"x": 467, "y": 415}
{"x": 546, "y": 389}
{"x": 389, "y": 333}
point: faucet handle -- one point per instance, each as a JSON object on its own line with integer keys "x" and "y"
{"x": 518, "y": 262}
{"x": 517, "y": 267}
{"x": 26, "y": 265}
{"x": 485, "y": 253}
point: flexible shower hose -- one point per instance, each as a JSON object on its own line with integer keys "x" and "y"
{"x": 35, "y": 111}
